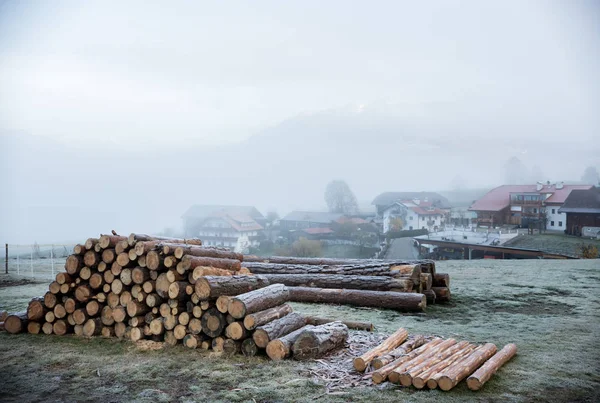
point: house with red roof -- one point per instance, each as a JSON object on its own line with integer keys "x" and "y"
{"x": 525, "y": 205}
{"x": 413, "y": 214}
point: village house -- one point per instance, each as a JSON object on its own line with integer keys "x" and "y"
{"x": 582, "y": 208}
{"x": 385, "y": 200}
{"x": 525, "y": 205}
{"x": 300, "y": 220}
{"x": 412, "y": 215}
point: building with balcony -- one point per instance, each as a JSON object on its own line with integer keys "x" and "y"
{"x": 413, "y": 214}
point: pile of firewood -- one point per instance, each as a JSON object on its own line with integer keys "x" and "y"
{"x": 432, "y": 361}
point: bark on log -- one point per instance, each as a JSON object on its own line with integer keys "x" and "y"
{"x": 162, "y": 285}
{"x": 143, "y": 248}
{"x": 394, "y": 376}
{"x": 16, "y": 322}
{"x": 249, "y": 348}
{"x": 90, "y": 242}
{"x": 323, "y": 261}
{"x": 483, "y": 374}
{"x": 421, "y": 380}
{"x": 61, "y": 327}
{"x": 318, "y": 340}
{"x": 366, "y": 326}
{"x": 136, "y": 308}
{"x": 412, "y": 271}
{"x": 139, "y": 275}
{"x": 382, "y": 373}
{"x": 441, "y": 280}
{"x": 460, "y": 370}
{"x": 177, "y": 290}
{"x": 190, "y": 262}
{"x": 405, "y": 348}
{"x": 426, "y": 281}
{"x": 203, "y": 251}
{"x": 357, "y": 270}
{"x": 154, "y": 261}
{"x": 73, "y": 264}
{"x": 134, "y": 238}
{"x": 258, "y": 300}
{"x": 281, "y": 348}
{"x": 215, "y": 286}
{"x": 430, "y": 296}
{"x": 36, "y": 309}
{"x": 213, "y": 322}
{"x": 404, "y": 302}
{"x": 389, "y": 344}
{"x": 202, "y": 271}
{"x": 442, "y": 294}
{"x": 83, "y": 293}
{"x": 277, "y": 328}
{"x": 110, "y": 241}
{"x": 254, "y": 320}
{"x": 373, "y": 283}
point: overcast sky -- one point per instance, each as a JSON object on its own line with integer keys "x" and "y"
{"x": 235, "y": 100}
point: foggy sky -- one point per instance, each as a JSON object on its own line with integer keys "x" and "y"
{"x": 463, "y": 83}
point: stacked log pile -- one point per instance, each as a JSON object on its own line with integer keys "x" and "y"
{"x": 432, "y": 362}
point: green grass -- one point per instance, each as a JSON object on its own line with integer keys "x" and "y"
{"x": 550, "y": 309}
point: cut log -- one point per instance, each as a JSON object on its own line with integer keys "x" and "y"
{"x": 222, "y": 303}
{"x": 80, "y": 315}
{"x": 217, "y": 344}
{"x": 419, "y": 381}
{"x": 116, "y": 286}
{"x": 123, "y": 260}
{"x": 394, "y": 376}
{"x": 374, "y": 283}
{"x": 109, "y": 256}
{"x": 215, "y": 286}
{"x": 450, "y": 377}
{"x": 162, "y": 285}
{"x": 190, "y": 262}
{"x": 249, "y": 348}
{"x": 91, "y": 258}
{"x": 35, "y": 310}
{"x": 177, "y": 290}
{"x": 364, "y": 269}
{"x": 170, "y": 262}
{"x": 254, "y": 320}
{"x": 442, "y": 294}
{"x": 157, "y": 326}
{"x": 149, "y": 286}
{"x": 404, "y": 302}
{"x": 441, "y": 280}
{"x": 483, "y": 374}
{"x": 201, "y": 271}
{"x": 65, "y": 288}
{"x": 195, "y": 326}
{"x": 33, "y": 327}
{"x": 62, "y": 278}
{"x": 382, "y": 373}
{"x": 50, "y": 300}
{"x": 136, "y": 334}
{"x": 405, "y": 348}
{"x": 136, "y": 308}
{"x": 83, "y": 293}
{"x": 92, "y": 327}
{"x": 213, "y": 322}
{"x": 59, "y": 311}
{"x": 61, "y": 327}
{"x": 124, "y": 298}
{"x": 54, "y": 288}
{"x": 142, "y": 261}
{"x": 153, "y": 300}
{"x": 90, "y": 242}
{"x": 389, "y": 344}
{"x": 113, "y": 299}
{"x": 430, "y": 296}
{"x": 192, "y": 340}
{"x": 16, "y": 322}
{"x": 231, "y": 346}
{"x": 110, "y": 241}
{"x": 132, "y": 255}
{"x": 258, "y": 300}
{"x": 367, "y": 326}
{"x": 71, "y": 320}
{"x": 277, "y": 328}
{"x": 92, "y": 308}
{"x": 140, "y": 275}
{"x": 97, "y": 248}
{"x": 173, "y": 275}
{"x": 154, "y": 261}
{"x": 318, "y": 340}
{"x": 120, "y": 329}
{"x": 203, "y": 251}
{"x": 426, "y": 281}
{"x": 119, "y": 314}
{"x": 47, "y": 328}
{"x": 412, "y": 271}
{"x": 121, "y": 246}
{"x": 135, "y": 238}
{"x": 106, "y": 316}
{"x": 180, "y": 331}
{"x": 85, "y": 273}
{"x": 143, "y": 248}
{"x": 79, "y": 249}
{"x": 73, "y": 264}
{"x": 183, "y": 318}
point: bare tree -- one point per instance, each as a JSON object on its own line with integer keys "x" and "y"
{"x": 590, "y": 176}
{"x": 339, "y": 198}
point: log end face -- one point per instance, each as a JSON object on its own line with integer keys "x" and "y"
{"x": 445, "y": 383}
{"x": 202, "y": 288}
{"x": 249, "y": 322}
{"x": 394, "y": 377}
{"x": 418, "y": 383}
{"x": 236, "y": 308}
{"x": 378, "y": 378}
{"x": 276, "y": 350}
{"x": 359, "y": 364}
{"x": 405, "y": 380}
{"x": 473, "y": 383}
{"x": 261, "y": 338}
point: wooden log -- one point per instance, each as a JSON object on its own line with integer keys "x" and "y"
{"x": 389, "y": 344}
{"x": 231, "y": 346}
{"x": 258, "y": 300}
{"x": 374, "y": 283}
{"x": 124, "y": 298}
{"x": 192, "y": 340}
{"x": 430, "y": 296}
{"x": 47, "y": 328}
{"x": 93, "y": 307}
{"x": 365, "y": 269}
{"x": 201, "y": 271}
{"x": 136, "y": 334}
{"x": 83, "y": 293}
{"x": 54, "y": 287}
{"x": 79, "y": 249}
{"x": 35, "y": 310}
{"x": 62, "y": 278}
{"x": 80, "y": 315}
{"x": 110, "y": 241}
{"x": 59, "y": 311}
{"x": 90, "y": 242}
{"x": 405, "y": 348}
{"x": 450, "y": 377}
{"x": 189, "y": 262}
{"x": 315, "y": 321}
{"x": 143, "y": 248}
{"x": 121, "y": 246}
{"x": 318, "y": 340}
{"x": 203, "y": 251}
{"x": 71, "y": 320}
{"x": 97, "y": 248}
{"x": 197, "y": 312}
{"x": 217, "y": 344}
{"x": 16, "y": 322}
{"x": 260, "y": 318}
{"x": 162, "y": 285}
{"x": 136, "y": 308}
{"x": 140, "y": 275}
{"x": 157, "y": 326}
{"x": 213, "y": 322}
{"x": 61, "y": 327}
{"x": 236, "y": 331}
{"x": 132, "y": 255}
{"x": 381, "y": 374}
{"x": 195, "y": 326}
{"x": 249, "y": 347}
{"x": 394, "y": 376}
{"x": 170, "y": 262}
{"x": 177, "y": 290}
{"x": 120, "y": 330}
{"x": 426, "y": 281}
{"x": 119, "y": 314}
{"x": 279, "y": 327}
{"x": 50, "y": 300}
{"x": 173, "y": 275}
{"x": 180, "y": 331}
{"x": 33, "y": 327}
{"x": 441, "y": 280}
{"x": 485, "y": 372}
{"x": 404, "y": 302}
{"x": 442, "y": 294}
{"x": 106, "y": 316}
{"x": 133, "y": 239}
{"x": 149, "y": 286}
{"x": 73, "y": 264}
{"x": 109, "y": 256}
{"x": 153, "y": 300}
{"x": 65, "y": 288}
{"x": 154, "y": 261}
{"x": 215, "y": 286}
{"x": 412, "y": 271}
{"x": 92, "y": 327}
{"x": 113, "y": 299}
{"x": 123, "y": 260}
{"x": 91, "y": 258}
{"x": 142, "y": 261}
{"x": 419, "y": 381}
{"x": 222, "y": 303}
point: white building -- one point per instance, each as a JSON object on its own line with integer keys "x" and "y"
{"x": 555, "y": 221}
{"x": 412, "y": 215}
{"x": 236, "y": 231}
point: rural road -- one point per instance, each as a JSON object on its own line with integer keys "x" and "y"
{"x": 402, "y": 248}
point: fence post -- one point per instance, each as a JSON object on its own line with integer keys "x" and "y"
{"x": 6, "y": 261}
{"x": 52, "y": 259}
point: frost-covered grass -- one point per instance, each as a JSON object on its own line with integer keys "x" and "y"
{"x": 550, "y": 309}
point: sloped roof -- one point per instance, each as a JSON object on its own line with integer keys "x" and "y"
{"x": 240, "y": 222}
{"x": 312, "y": 216}
{"x": 205, "y": 210}
{"x": 351, "y": 220}
{"x": 387, "y": 198}
{"x": 317, "y": 231}
{"x": 582, "y": 201}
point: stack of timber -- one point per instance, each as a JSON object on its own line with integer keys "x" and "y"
{"x": 388, "y": 276}
{"x": 432, "y": 362}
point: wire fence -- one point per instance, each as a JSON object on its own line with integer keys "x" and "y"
{"x": 38, "y": 261}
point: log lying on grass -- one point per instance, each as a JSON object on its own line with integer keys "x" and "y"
{"x": 389, "y": 344}
{"x": 318, "y": 340}
{"x": 382, "y": 373}
{"x": 374, "y": 283}
{"x": 452, "y": 375}
{"x": 215, "y": 286}
{"x": 16, "y": 322}
{"x": 394, "y": 376}
{"x": 315, "y": 321}
{"x": 258, "y": 300}
{"x": 485, "y": 372}
{"x": 404, "y": 302}
{"x": 405, "y": 348}
{"x": 419, "y": 381}
{"x": 442, "y": 294}
{"x": 365, "y": 269}
{"x": 277, "y": 328}
{"x": 36, "y": 309}
{"x": 281, "y": 348}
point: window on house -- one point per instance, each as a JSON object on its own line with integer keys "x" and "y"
{"x": 553, "y": 211}
{"x": 560, "y": 223}
{"x": 552, "y": 223}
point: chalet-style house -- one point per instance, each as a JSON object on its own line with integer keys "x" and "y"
{"x": 582, "y": 208}
{"x": 385, "y": 200}
{"x": 413, "y": 214}
{"x": 235, "y": 227}
{"x": 525, "y": 205}
{"x": 299, "y": 220}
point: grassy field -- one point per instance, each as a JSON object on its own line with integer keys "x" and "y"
{"x": 558, "y": 243}
{"x": 550, "y": 309}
